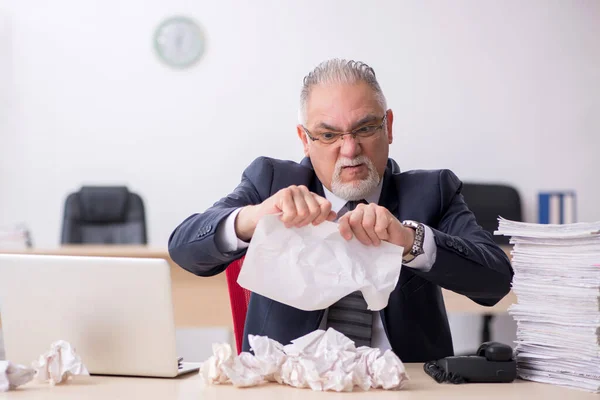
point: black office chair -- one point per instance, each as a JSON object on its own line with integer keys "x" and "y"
{"x": 487, "y": 202}
{"x": 104, "y": 215}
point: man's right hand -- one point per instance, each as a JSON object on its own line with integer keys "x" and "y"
{"x": 297, "y": 205}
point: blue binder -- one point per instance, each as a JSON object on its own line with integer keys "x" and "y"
{"x": 557, "y": 207}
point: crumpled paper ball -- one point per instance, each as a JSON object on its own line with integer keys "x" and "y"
{"x": 14, "y": 375}
{"x": 246, "y": 369}
{"x": 321, "y": 360}
{"x": 59, "y": 364}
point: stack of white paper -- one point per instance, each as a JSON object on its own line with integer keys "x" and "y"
{"x": 557, "y": 283}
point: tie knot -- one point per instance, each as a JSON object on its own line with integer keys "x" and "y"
{"x": 351, "y": 205}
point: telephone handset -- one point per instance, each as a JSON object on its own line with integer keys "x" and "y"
{"x": 494, "y": 362}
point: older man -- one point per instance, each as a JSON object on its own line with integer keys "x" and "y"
{"x": 346, "y": 130}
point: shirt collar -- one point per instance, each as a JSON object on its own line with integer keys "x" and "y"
{"x": 337, "y": 203}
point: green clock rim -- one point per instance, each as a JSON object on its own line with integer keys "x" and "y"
{"x": 170, "y": 20}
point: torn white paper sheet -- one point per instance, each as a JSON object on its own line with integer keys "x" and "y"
{"x": 321, "y": 360}
{"x": 13, "y": 375}
{"x": 59, "y": 364}
{"x": 312, "y": 267}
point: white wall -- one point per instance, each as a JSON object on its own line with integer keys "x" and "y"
{"x": 503, "y": 91}
{"x": 495, "y": 90}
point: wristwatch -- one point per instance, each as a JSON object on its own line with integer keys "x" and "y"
{"x": 417, "y": 247}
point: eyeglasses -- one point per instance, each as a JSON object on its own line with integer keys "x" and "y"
{"x": 362, "y": 132}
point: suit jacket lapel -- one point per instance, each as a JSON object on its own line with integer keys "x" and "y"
{"x": 389, "y": 199}
{"x": 315, "y": 184}
{"x": 389, "y": 193}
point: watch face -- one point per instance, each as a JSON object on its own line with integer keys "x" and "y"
{"x": 410, "y": 224}
{"x": 179, "y": 42}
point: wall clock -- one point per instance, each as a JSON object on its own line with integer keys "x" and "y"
{"x": 179, "y": 42}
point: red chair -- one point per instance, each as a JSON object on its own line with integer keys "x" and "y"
{"x": 239, "y": 299}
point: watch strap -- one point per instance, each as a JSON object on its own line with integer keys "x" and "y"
{"x": 417, "y": 247}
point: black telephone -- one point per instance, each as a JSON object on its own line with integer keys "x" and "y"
{"x": 494, "y": 362}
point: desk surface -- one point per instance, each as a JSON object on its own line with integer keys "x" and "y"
{"x": 420, "y": 386}
{"x": 97, "y": 250}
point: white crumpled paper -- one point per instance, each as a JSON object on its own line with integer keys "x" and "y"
{"x": 321, "y": 360}
{"x": 312, "y": 267}
{"x": 59, "y": 364}
{"x": 13, "y": 375}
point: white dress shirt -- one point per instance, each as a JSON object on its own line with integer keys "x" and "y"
{"x": 227, "y": 241}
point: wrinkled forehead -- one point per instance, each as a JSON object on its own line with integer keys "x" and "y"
{"x": 342, "y": 105}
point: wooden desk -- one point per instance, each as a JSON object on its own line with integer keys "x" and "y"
{"x": 419, "y": 387}
{"x": 190, "y": 292}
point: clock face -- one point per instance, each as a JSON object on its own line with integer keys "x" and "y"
{"x": 179, "y": 42}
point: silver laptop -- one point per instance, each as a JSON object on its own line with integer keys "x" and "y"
{"x": 116, "y": 312}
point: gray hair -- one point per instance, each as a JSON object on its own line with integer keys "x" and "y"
{"x": 339, "y": 71}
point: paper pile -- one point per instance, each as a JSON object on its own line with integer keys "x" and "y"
{"x": 321, "y": 360}
{"x": 557, "y": 283}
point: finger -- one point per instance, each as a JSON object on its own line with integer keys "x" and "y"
{"x": 302, "y": 210}
{"x": 314, "y": 210}
{"x": 332, "y": 216}
{"x": 344, "y": 227}
{"x": 319, "y": 199}
{"x": 325, "y": 212}
{"x": 368, "y": 223}
{"x": 287, "y": 207}
{"x": 355, "y": 221}
{"x": 382, "y": 222}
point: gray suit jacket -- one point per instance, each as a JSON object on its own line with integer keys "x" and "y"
{"x": 467, "y": 262}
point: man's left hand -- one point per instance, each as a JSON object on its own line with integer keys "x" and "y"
{"x": 372, "y": 224}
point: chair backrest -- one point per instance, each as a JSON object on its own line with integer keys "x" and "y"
{"x": 239, "y": 299}
{"x": 104, "y": 215}
{"x": 488, "y": 201}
